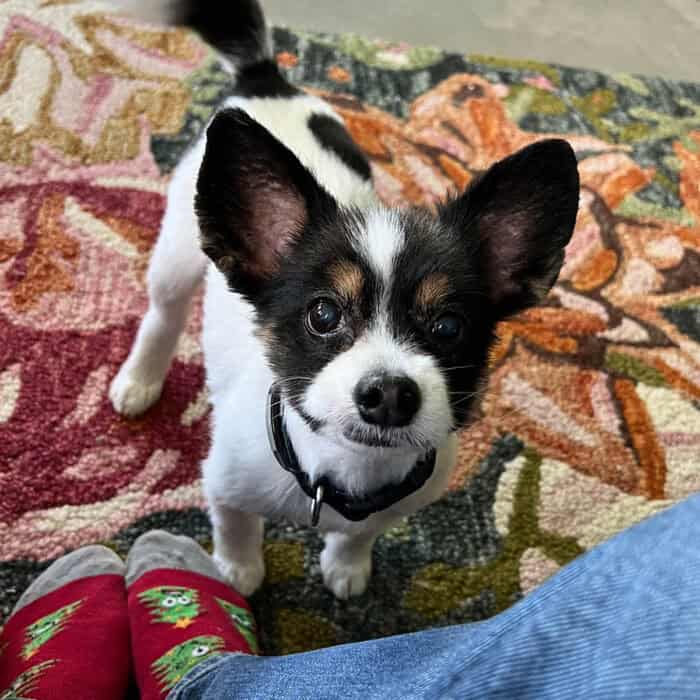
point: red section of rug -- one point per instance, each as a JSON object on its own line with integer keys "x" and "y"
{"x": 72, "y": 643}
{"x": 180, "y": 619}
{"x": 56, "y": 367}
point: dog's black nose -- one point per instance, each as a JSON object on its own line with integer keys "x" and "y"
{"x": 387, "y": 400}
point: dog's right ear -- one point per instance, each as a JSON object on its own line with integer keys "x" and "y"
{"x": 254, "y": 200}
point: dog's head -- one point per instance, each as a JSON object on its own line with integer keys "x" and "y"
{"x": 379, "y": 322}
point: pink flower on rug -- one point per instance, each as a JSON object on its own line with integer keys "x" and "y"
{"x": 541, "y": 82}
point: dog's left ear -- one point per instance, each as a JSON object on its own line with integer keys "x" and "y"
{"x": 520, "y": 215}
{"x": 254, "y": 200}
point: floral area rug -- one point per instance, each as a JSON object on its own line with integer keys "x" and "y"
{"x": 592, "y": 417}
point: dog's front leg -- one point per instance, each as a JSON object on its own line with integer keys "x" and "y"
{"x": 238, "y": 538}
{"x": 175, "y": 271}
{"x": 346, "y": 563}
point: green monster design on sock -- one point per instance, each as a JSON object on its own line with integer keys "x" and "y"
{"x": 174, "y": 664}
{"x": 26, "y": 682}
{"x": 244, "y": 622}
{"x": 39, "y": 632}
{"x": 172, "y": 604}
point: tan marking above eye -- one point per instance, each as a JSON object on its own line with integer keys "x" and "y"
{"x": 347, "y": 279}
{"x": 432, "y": 290}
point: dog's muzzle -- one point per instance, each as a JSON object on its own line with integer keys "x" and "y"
{"x": 323, "y": 490}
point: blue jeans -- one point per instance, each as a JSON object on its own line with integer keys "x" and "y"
{"x": 622, "y": 621}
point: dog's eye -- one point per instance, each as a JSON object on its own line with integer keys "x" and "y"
{"x": 324, "y": 317}
{"x": 447, "y": 328}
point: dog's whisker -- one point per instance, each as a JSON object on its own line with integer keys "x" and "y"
{"x": 463, "y": 400}
{"x": 285, "y": 380}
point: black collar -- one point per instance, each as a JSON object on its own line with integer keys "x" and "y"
{"x": 323, "y": 490}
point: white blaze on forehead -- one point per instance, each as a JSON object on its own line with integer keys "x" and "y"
{"x": 380, "y": 241}
{"x": 379, "y": 349}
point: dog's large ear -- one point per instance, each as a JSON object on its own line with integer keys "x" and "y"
{"x": 254, "y": 200}
{"x": 520, "y": 214}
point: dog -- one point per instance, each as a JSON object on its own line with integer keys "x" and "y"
{"x": 345, "y": 342}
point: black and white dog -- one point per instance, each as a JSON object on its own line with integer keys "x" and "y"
{"x": 343, "y": 340}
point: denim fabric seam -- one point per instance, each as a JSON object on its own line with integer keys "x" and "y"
{"x": 196, "y": 674}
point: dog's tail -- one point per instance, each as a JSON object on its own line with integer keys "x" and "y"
{"x": 235, "y": 28}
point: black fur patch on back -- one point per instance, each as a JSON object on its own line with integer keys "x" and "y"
{"x": 333, "y": 136}
{"x": 263, "y": 79}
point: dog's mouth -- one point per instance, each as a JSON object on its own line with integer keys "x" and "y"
{"x": 366, "y": 435}
{"x": 382, "y": 437}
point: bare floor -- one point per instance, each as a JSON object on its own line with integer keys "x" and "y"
{"x": 654, "y": 37}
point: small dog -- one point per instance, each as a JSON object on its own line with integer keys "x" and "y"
{"x": 344, "y": 342}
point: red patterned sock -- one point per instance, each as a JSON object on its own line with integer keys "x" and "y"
{"x": 180, "y": 618}
{"x": 71, "y": 643}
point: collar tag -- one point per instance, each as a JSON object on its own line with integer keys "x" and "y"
{"x": 316, "y": 505}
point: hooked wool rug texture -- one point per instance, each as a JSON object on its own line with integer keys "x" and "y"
{"x": 592, "y": 417}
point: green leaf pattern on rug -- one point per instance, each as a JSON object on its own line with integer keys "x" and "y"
{"x": 670, "y": 125}
{"x": 384, "y": 54}
{"x": 650, "y": 125}
{"x": 535, "y": 67}
{"x": 523, "y": 99}
{"x": 633, "y": 206}
{"x": 628, "y": 366}
{"x": 632, "y": 82}
{"x": 438, "y": 588}
{"x": 594, "y": 107}
{"x": 300, "y": 630}
{"x": 283, "y": 561}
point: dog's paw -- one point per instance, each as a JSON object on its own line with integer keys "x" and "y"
{"x": 245, "y": 576}
{"x": 131, "y": 397}
{"x": 346, "y": 580}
